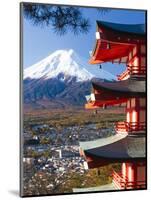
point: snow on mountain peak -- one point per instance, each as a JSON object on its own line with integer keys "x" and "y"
{"x": 68, "y": 63}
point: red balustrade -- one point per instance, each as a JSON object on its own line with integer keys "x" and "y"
{"x": 123, "y": 182}
{"x": 130, "y": 127}
{"x": 132, "y": 70}
{"x": 124, "y": 75}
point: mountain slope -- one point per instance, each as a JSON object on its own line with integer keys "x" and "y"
{"x": 67, "y": 63}
{"x": 61, "y": 79}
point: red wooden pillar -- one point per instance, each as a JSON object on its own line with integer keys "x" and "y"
{"x": 130, "y": 175}
{"x": 141, "y": 175}
{"x": 134, "y": 175}
{"x": 135, "y": 113}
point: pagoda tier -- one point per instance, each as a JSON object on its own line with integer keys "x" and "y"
{"x": 114, "y": 149}
{"x": 115, "y": 41}
{"x": 117, "y": 92}
{"x": 131, "y": 91}
{"x": 121, "y": 43}
{"x": 129, "y": 150}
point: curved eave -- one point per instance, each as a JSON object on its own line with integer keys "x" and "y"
{"x": 133, "y": 29}
{"x": 131, "y": 87}
{"x": 102, "y": 142}
{"x": 122, "y": 35}
{"x": 117, "y": 148}
{"x": 91, "y": 105}
{"x": 107, "y": 55}
{"x": 104, "y": 102}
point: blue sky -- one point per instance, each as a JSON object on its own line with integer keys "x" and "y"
{"x": 39, "y": 42}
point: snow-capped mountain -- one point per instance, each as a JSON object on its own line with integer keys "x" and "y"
{"x": 63, "y": 78}
{"x": 67, "y": 63}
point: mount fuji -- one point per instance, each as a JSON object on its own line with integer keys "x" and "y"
{"x": 63, "y": 78}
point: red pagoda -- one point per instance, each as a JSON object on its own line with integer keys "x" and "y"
{"x": 121, "y": 43}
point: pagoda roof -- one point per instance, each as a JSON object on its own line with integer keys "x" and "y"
{"x": 114, "y": 41}
{"x": 131, "y": 86}
{"x": 126, "y": 28}
{"x": 115, "y": 92}
{"x": 117, "y": 148}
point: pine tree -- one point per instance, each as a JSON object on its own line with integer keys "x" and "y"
{"x": 60, "y": 18}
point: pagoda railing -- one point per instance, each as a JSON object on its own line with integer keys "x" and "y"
{"x": 122, "y": 182}
{"x": 130, "y": 127}
{"x": 123, "y": 75}
{"x": 132, "y": 71}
